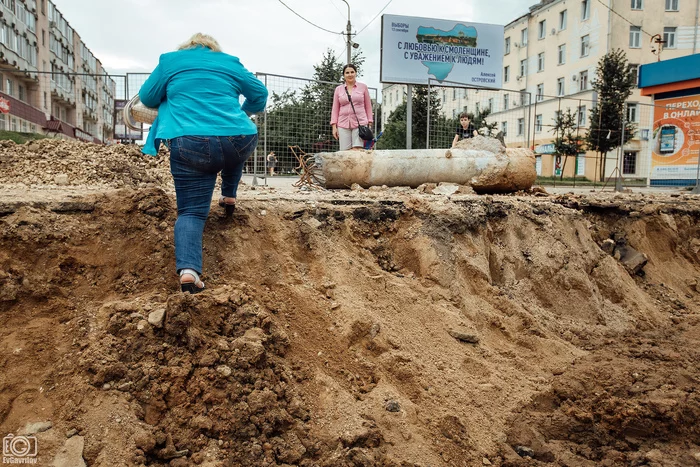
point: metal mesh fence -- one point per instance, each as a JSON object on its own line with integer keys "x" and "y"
{"x": 660, "y": 149}
{"x": 655, "y": 150}
{"x": 493, "y": 112}
{"x": 297, "y": 120}
{"x": 60, "y": 104}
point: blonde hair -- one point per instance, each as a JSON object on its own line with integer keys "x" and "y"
{"x": 203, "y": 40}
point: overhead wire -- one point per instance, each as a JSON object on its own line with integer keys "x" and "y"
{"x": 367, "y": 25}
{"x": 630, "y": 22}
{"x": 312, "y": 24}
{"x": 337, "y": 9}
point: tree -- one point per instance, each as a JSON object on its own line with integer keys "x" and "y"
{"x": 394, "y": 136}
{"x": 479, "y": 121}
{"x": 567, "y": 141}
{"x": 302, "y": 117}
{"x": 613, "y": 84}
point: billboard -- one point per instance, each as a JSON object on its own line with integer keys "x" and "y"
{"x": 415, "y": 50}
{"x": 121, "y": 131}
{"x": 676, "y": 138}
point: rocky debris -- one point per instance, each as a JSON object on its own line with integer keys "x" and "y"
{"x": 392, "y": 406}
{"x": 608, "y": 246}
{"x": 36, "y": 427}
{"x": 631, "y": 259}
{"x": 464, "y": 336}
{"x": 524, "y": 451}
{"x": 445, "y": 189}
{"x": 482, "y": 143}
{"x": 155, "y": 318}
{"x": 67, "y": 163}
{"x": 71, "y": 454}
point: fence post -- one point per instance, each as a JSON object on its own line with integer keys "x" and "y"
{"x": 409, "y": 116}
{"x": 618, "y": 180}
{"x": 427, "y": 130}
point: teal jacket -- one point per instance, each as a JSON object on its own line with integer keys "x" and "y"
{"x": 197, "y": 92}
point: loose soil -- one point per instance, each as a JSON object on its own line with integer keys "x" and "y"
{"x": 380, "y": 327}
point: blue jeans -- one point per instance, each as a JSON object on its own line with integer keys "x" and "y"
{"x": 195, "y": 162}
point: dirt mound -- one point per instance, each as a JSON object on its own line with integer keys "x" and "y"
{"x": 56, "y": 162}
{"x": 358, "y": 328}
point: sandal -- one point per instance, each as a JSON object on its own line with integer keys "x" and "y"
{"x": 230, "y": 207}
{"x": 192, "y": 287}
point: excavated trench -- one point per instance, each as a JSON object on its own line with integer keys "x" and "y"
{"x": 353, "y": 328}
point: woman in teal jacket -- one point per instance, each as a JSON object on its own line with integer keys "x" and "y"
{"x": 196, "y": 90}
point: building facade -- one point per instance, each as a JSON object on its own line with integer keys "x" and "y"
{"x": 550, "y": 59}
{"x": 50, "y": 82}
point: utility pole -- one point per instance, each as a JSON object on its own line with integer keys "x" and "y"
{"x": 348, "y": 31}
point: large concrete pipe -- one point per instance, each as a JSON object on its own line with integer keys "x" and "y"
{"x": 498, "y": 170}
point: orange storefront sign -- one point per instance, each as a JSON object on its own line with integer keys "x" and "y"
{"x": 676, "y": 138}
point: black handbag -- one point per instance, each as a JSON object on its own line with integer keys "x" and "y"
{"x": 365, "y": 131}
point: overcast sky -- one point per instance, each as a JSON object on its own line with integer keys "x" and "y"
{"x": 129, "y": 35}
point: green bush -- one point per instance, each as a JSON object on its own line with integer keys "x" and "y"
{"x": 20, "y": 138}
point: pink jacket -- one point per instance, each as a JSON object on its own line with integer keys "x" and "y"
{"x": 342, "y": 114}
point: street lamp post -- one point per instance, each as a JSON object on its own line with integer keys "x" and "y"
{"x": 348, "y": 31}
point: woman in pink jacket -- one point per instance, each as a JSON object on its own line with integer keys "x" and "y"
{"x": 343, "y": 118}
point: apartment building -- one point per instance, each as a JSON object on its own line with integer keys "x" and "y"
{"x": 50, "y": 82}
{"x": 550, "y": 59}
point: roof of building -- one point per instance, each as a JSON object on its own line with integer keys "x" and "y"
{"x": 670, "y": 71}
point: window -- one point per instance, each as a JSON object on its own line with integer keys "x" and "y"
{"x": 538, "y": 165}
{"x": 637, "y": 4}
{"x": 582, "y": 116}
{"x": 542, "y": 29}
{"x": 523, "y": 37}
{"x": 43, "y": 37}
{"x": 585, "y": 45}
{"x": 506, "y": 73}
{"x": 505, "y": 102}
{"x": 585, "y": 9}
{"x": 45, "y": 101}
{"x": 671, "y": 5}
{"x": 20, "y": 92}
{"x": 538, "y": 123}
{"x": 540, "y": 92}
{"x": 524, "y": 97}
{"x": 557, "y": 116}
{"x": 2, "y": 122}
{"x": 540, "y": 62}
{"x": 507, "y": 46}
{"x": 583, "y": 80}
{"x": 521, "y": 126}
{"x": 580, "y": 164}
{"x": 560, "y": 87}
{"x": 504, "y": 128}
{"x": 670, "y": 38}
{"x": 629, "y": 163}
{"x": 9, "y": 87}
{"x": 634, "y": 71}
{"x": 562, "y": 19}
{"x": 561, "y": 54}
{"x": 454, "y": 94}
{"x": 491, "y": 104}
{"x": 635, "y": 36}
{"x": 632, "y": 112}
{"x": 14, "y": 124}
{"x": 523, "y": 67}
